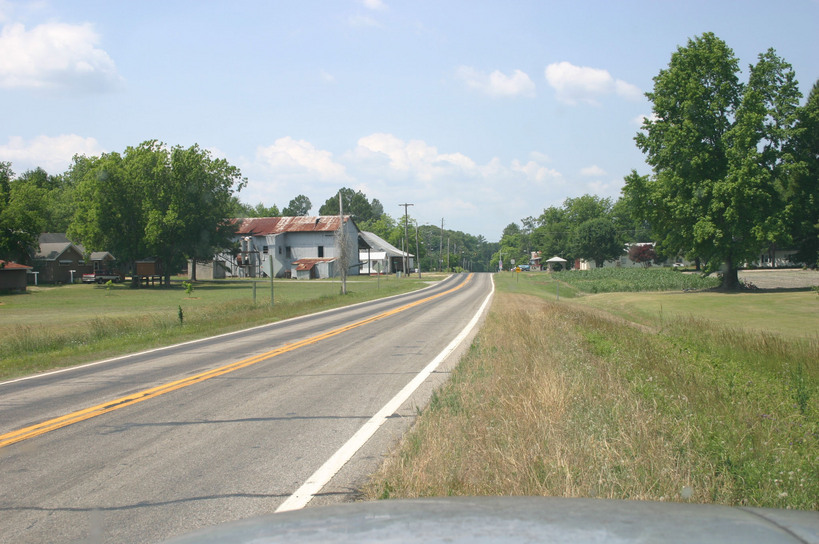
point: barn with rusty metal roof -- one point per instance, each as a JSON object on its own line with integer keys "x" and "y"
{"x": 297, "y": 247}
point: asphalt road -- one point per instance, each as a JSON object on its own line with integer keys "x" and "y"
{"x": 146, "y": 447}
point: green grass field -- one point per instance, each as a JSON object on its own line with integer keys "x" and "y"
{"x": 599, "y": 396}
{"x": 49, "y": 327}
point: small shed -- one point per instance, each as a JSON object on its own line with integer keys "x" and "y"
{"x": 308, "y": 269}
{"x": 551, "y": 262}
{"x": 13, "y": 276}
{"x": 381, "y": 257}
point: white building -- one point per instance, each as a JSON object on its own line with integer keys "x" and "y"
{"x": 382, "y": 257}
{"x": 297, "y": 247}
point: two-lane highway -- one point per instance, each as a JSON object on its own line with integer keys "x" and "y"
{"x": 148, "y": 446}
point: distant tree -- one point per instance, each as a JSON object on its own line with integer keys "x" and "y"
{"x": 581, "y": 209}
{"x": 240, "y": 209}
{"x": 717, "y": 148}
{"x": 266, "y": 211}
{"x": 552, "y": 234}
{"x": 155, "y": 201}
{"x": 23, "y": 209}
{"x": 376, "y": 208}
{"x": 109, "y": 208}
{"x": 511, "y": 248}
{"x": 802, "y": 191}
{"x": 355, "y": 204}
{"x": 627, "y": 217}
{"x": 642, "y": 254}
{"x": 596, "y": 240}
{"x": 383, "y": 226}
{"x": 297, "y": 207}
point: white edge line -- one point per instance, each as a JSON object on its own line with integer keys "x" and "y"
{"x": 330, "y": 468}
{"x": 113, "y": 359}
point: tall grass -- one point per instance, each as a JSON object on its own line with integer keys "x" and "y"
{"x": 562, "y": 400}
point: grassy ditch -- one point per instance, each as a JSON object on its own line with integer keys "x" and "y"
{"x": 561, "y": 399}
{"x": 52, "y": 327}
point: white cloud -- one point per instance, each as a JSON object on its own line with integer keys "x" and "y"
{"x": 327, "y": 77}
{"x": 54, "y": 55}
{"x": 497, "y": 83}
{"x": 575, "y": 84}
{"x": 53, "y": 154}
{"x": 374, "y": 4}
{"x": 291, "y": 157}
{"x": 537, "y": 172}
{"x": 414, "y": 158}
{"x": 592, "y": 171}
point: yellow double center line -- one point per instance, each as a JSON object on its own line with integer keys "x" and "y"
{"x": 94, "y": 411}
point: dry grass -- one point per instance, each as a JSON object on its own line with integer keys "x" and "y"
{"x": 557, "y": 400}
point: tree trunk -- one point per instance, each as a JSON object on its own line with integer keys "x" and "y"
{"x": 134, "y": 276}
{"x": 730, "y": 279}
{"x": 193, "y": 270}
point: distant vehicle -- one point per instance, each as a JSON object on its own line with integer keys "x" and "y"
{"x": 102, "y": 276}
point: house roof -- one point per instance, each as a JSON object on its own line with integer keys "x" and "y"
{"x": 376, "y": 242}
{"x": 53, "y": 251}
{"x": 8, "y": 265}
{"x": 262, "y": 226}
{"x": 101, "y": 256}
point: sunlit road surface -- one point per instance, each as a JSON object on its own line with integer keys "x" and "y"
{"x": 142, "y": 448}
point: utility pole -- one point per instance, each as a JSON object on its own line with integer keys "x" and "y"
{"x": 417, "y": 252}
{"x": 343, "y": 258}
{"x": 406, "y": 237}
{"x": 441, "y": 248}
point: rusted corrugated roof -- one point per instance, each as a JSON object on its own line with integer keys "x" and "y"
{"x": 8, "y": 265}
{"x": 307, "y": 264}
{"x": 262, "y": 226}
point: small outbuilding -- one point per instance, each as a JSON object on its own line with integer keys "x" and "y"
{"x": 381, "y": 257}
{"x": 13, "y": 276}
{"x": 555, "y": 260}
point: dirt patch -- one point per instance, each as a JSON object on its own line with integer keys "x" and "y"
{"x": 781, "y": 279}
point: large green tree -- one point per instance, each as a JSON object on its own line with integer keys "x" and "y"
{"x": 803, "y": 190}
{"x": 716, "y": 148}
{"x": 596, "y": 240}
{"x": 298, "y": 206}
{"x": 155, "y": 201}
{"x": 355, "y": 204}
{"x": 22, "y": 215}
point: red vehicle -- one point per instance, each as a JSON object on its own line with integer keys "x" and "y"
{"x": 102, "y": 276}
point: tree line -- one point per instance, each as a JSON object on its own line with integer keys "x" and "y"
{"x": 176, "y": 204}
{"x": 735, "y": 172}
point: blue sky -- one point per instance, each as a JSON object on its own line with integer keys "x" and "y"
{"x": 480, "y": 113}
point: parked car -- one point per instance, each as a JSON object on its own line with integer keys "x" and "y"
{"x": 102, "y": 276}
